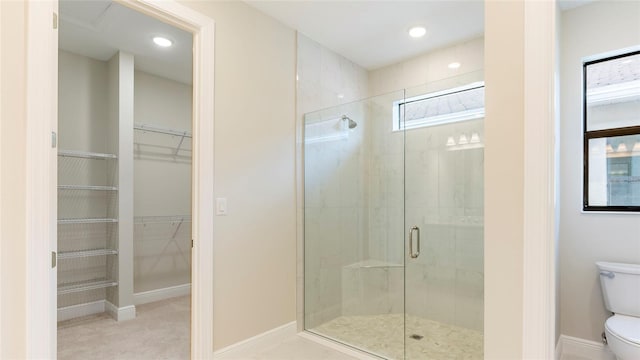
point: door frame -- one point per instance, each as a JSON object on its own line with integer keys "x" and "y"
{"x": 41, "y": 121}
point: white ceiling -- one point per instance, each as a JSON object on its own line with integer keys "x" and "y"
{"x": 370, "y": 33}
{"x": 99, "y": 28}
{"x": 374, "y": 33}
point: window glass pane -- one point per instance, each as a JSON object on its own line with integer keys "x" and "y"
{"x": 613, "y": 93}
{"x": 453, "y": 105}
{"x": 614, "y": 171}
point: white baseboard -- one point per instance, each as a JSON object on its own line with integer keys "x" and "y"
{"x": 559, "y": 345}
{"x": 161, "y": 294}
{"x": 74, "y": 311}
{"x": 260, "y": 341}
{"x": 120, "y": 314}
{"x": 572, "y": 347}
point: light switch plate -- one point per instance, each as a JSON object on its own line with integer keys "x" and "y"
{"x": 221, "y": 206}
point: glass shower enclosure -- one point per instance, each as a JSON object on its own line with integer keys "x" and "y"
{"x": 393, "y": 222}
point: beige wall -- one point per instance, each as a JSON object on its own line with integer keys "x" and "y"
{"x": 504, "y": 179}
{"x": 589, "y": 237}
{"x": 82, "y": 104}
{"x": 13, "y": 190}
{"x": 255, "y": 248}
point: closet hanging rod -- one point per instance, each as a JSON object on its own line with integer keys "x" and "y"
{"x": 161, "y": 219}
{"x": 160, "y": 130}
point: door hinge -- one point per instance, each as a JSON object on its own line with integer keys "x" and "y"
{"x": 192, "y": 243}
{"x": 54, "y": 259}
{"x": 54, "y": 139}
{"x": 55, "y": 20}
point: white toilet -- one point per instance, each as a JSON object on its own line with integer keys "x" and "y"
{"x": 621, "y": 293}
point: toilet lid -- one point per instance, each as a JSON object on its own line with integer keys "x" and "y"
{"x": 625, "y": 327}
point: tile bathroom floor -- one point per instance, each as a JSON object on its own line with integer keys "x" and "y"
{"x": 161, "y": 331}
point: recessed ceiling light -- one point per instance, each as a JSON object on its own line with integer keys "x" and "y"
{"x": 162, "y": 41}
{"x": 454, "y": 65}
{"x": 628, "y": 61}
{"x": 417, "y": 31}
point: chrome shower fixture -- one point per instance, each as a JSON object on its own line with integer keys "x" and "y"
{"x": 352, "y": 124}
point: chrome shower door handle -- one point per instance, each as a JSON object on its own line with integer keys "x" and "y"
{"x": 415, "y": 254}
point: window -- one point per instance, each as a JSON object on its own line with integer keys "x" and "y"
{"x": 611, "y": 110}
{"x": 443, "y": 107}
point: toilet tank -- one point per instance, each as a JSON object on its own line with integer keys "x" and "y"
{"x": 620, "y": 287}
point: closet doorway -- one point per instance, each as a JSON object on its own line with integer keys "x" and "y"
{"x": 125, "y": 149}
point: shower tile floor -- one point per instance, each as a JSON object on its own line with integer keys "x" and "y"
{"x": 384, "y": 336}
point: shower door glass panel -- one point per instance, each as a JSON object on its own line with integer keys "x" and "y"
{"x": 353, "y": 225}
{"x": 444, "y": 141}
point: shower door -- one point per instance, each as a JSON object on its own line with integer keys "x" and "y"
{"x": 393, "y": 198}
{"x": 443, "y": 130}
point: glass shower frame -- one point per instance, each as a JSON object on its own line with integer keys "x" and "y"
{"x": 362, "y": 194}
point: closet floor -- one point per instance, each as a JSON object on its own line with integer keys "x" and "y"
{"x": 159, "y": 331}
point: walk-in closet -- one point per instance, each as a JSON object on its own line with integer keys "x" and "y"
{"x": 124, "y": 184}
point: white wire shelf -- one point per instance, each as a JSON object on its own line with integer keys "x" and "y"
{"x": 85, "y": 286}
{"x": 86, "y": 253}
{"x": 87, "y": 221}
{"x": 86, "y": 155}
{"x": 87, "y": 187}
{"x": 161, "y": 130}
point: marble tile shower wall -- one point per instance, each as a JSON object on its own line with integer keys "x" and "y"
{"x": 334, "y": 199}
{"x": 325, "y": 78}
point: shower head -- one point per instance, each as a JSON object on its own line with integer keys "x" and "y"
{"x": 352, "y": 124}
